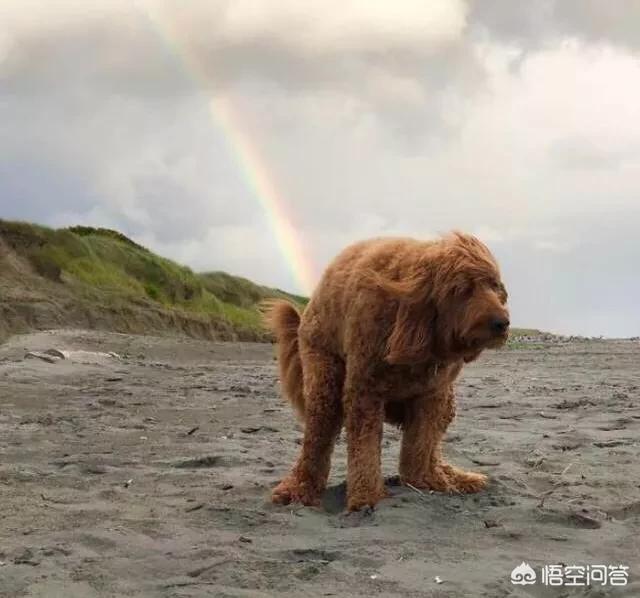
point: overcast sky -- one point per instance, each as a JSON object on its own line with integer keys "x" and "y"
{"x": 517, "y": 121}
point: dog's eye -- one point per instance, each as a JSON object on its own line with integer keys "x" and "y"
{"x": 499, "y": 288}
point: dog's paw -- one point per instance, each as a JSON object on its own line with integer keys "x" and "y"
{"x": 435, "y": 480}
{"x": 291, "y": 490}
{"x": 366, "y": 499}
{"x": 466, "y": 482}
{"x": 366, "y": 503}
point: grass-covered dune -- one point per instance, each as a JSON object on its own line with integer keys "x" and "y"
{"x": 99, "y": 278}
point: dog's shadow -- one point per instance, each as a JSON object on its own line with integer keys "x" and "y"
{"x": 334, "y": 502}
{"x": 334, "y": 499}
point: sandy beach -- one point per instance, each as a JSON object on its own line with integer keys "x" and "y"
{"x": 142, "y": 466}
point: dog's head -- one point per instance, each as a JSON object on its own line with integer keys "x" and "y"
{"x": 451, "y": 306}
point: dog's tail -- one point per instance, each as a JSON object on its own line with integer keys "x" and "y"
{"x": 283, "y": 319}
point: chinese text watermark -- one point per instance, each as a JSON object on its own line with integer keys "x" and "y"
{"x": 571, "y": 575}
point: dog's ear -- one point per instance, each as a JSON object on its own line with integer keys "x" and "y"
{"x": 412, "y": 336}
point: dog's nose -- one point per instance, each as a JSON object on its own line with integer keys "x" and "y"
{"x": 499, "y": 325}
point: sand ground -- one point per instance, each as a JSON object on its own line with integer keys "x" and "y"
{"x": 148, "y": 474}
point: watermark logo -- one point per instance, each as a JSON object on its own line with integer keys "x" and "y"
{"x": 571, "y": 575}
{"x": 523, "y": 575}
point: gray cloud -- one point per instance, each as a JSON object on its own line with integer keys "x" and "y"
{"x": 533, "y": 25}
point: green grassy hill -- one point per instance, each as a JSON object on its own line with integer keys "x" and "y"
{"x": 83, "y": 276}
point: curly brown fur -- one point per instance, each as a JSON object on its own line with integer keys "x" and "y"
{"x": 383, "y": 338}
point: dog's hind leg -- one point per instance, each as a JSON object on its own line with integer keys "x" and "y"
{"x": 323, "y": 376}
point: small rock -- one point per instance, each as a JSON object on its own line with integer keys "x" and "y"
{"x": 584, "y": 520}
{"x": 26, "y": 557}
{"x": 94, "y": 468}
{"x": 199, "y": 462}
{"x": 108, "y": 402}
{"x": 42, "y": 357}
{"x": 251, "y": 429}
{"x": 240, "y": 390}
{"x": 610, "y": 443}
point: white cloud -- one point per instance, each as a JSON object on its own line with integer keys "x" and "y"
{"x": 336, "y": 26}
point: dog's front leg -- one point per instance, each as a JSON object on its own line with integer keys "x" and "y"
{"x": 364, "y": 419}
{"x": 459, "y": 479}
{"x": 420, "y": 457}
{"x": 421, "y": 461}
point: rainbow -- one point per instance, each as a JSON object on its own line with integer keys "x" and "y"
{"x": 250, "y": 161}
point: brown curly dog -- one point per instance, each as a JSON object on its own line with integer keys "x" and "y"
{"x": 383, "y": 338}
